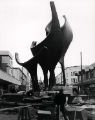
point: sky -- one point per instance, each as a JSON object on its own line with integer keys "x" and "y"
{"x": 24, "y": 21}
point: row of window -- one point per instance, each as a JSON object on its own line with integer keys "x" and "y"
{"x": 72, "y": 73}
{"x": 74, "y": 80}
{"x": 88, "y": 75}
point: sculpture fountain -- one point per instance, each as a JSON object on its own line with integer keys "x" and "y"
{"x": 50, "y": 51}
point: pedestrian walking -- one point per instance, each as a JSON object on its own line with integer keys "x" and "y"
{"x": 60, "y": 101}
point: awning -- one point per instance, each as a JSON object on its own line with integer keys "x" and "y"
{"x": 8, "y": 78}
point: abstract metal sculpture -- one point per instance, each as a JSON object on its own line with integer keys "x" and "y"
{"x": 50, "y": 51}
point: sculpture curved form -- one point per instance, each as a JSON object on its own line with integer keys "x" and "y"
{"x": 50, "y": 51}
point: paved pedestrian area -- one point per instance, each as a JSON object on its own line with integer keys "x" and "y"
{"x": 15, "y": 117}
{"x": 8, "y": 116}
{"x": 15, "y": 114}
{"x": 18, "y": 115}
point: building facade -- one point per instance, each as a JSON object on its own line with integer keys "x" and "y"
{"x": 86, "y": 79}
{"x": 12, "y": 76}
{"x": 6, "y": 66}
{"x": 23, "y": 76}
{"x": 70, "y": 75}
{"x": 6, "y": 63}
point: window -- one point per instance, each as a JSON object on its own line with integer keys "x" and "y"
{"x": 67, "y": 74}
{"x": 74, "y": 80}
{"x": 71, "y": 73}
{"x": 71, "y": 80}
{"x": 0, "y": 61}
{"x": 91, "y": 74}
{"x": 74, "y": 73}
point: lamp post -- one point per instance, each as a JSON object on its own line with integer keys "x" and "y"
{"x": 22, "y": 75}
{"x": 81, "y": 65}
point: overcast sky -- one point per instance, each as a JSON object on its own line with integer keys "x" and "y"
{"x": 24, "y": 21}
